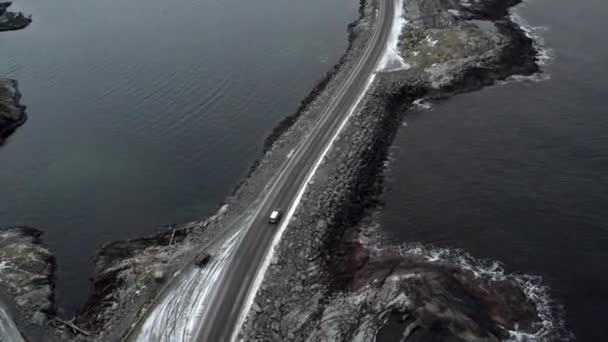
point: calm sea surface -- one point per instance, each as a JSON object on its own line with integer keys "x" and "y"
{"x": 519, "y": 172}
{"x": 148, "y": 112}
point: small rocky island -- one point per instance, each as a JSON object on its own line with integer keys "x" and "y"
{"x": 11, "y": 21}
{"x": 12, "y": 113}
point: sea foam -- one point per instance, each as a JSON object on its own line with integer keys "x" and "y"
{"x": 551, "y": 323}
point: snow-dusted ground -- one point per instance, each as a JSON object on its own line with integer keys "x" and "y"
{"x": 392, "y": 60}
{"x": 8, "y": 329}
{"x": 175, "y": 318}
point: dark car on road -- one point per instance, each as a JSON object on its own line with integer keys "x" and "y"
{"x": 203, "y": 261}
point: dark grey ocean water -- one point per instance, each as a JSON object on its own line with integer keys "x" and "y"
{"x": 145, "y": 113}
{"x": 519, "y": 172}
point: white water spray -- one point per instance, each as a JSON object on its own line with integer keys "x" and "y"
{"x": 544, "y": 54}
{"x": 551, "y": 325}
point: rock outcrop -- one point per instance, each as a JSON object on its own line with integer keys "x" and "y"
{"x": 129, "y": 274}
{"x": 27, "y": 270}
{"x": 12, "y": 113}
{"x": 12, "y": 21}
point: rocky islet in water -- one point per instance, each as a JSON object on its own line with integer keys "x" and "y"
{"x": 12, "y": 113}
{"x": 11, "y": 21}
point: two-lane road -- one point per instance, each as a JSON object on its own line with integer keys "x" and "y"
{"x": 220, "y": 319}
{"x": 229, "y": 281}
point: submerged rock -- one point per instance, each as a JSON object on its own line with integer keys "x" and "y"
{"x": 12, "y": 113}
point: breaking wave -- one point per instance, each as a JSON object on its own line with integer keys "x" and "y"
{"x": 551, "y": 325}
{"x": 544, "y": 54}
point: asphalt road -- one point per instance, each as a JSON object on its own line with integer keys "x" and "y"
{"x": 206, "y": 304}
{"x": 222, "y": 315}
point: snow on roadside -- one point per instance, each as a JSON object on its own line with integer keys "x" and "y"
{"x": 391, "y": 59}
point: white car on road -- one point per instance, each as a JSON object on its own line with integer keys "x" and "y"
{"x": 275, "y": 216}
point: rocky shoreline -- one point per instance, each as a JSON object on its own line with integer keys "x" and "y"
{"x": 324, "y": 282}
{"x": 12, "y": 112}
{"x": 12, "y": 21}
{"x": 27, "y": 271}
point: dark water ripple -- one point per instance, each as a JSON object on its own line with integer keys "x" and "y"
{"x": 144, "y": 113}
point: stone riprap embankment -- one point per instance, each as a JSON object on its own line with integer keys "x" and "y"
{"x": 12, "y": 113}
{"x": 324, "y": 284}
{"x": 12, "y": 21}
